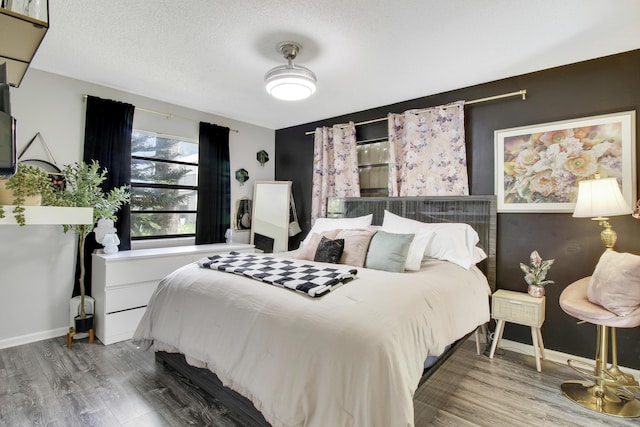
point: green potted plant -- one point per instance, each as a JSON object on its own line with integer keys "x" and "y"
{"x": 29, "y": 186}
{"x": 535, "y": 274}
{"x": 83, "y": 189}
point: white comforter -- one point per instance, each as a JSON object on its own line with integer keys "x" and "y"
{"x": 351, "y": 358}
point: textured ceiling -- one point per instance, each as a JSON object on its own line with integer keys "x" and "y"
{"x": 212, "y": 55}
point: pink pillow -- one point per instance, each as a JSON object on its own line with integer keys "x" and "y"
{"x": 356, "y": 245}
{"x": 615, "y": 283}
{"x": 308, "y": 251}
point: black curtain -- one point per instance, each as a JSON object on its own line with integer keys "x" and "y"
{"x": 107, "y": 139}
{"x": 214, "y": 192}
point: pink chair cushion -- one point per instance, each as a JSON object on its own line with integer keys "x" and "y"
{"x": 615, "y": 283}
{"x": 574, "y": 302}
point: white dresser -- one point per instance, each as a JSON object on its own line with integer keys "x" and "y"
{"x": 122, "y": 283}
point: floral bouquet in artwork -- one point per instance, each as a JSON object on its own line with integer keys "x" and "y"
{"x": 536, "y": 272}
{"x": 545, "y": 167}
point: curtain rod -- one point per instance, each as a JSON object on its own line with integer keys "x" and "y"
{"x": 522, "y": 92}
{"x": 168, "y": 116}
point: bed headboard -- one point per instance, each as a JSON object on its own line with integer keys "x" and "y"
{"x": 477, "y": 211}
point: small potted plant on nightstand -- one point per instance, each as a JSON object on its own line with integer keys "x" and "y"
{"x": 84, "y": 190}
{"x": 535, "y": 274}
{"x": 29, "y": 186}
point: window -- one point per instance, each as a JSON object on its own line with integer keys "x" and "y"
{"x": 164, "y": 186}
{"x": 373, "y": 165}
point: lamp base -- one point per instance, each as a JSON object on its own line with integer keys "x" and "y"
{"x": 607, "y": 236}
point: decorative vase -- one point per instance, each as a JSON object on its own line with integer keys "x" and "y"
{"x": 536, "y": 291}
{"x": 243, "y": 214}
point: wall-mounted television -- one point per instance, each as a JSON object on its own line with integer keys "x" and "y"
{"x": 8, "y": 161}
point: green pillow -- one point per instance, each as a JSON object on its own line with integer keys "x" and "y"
{"x": 388, "y": 251}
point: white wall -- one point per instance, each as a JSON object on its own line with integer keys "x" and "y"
{"x": 37, "y": 262}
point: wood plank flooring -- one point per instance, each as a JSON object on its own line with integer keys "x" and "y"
{"x": 503, "y": 391}
{"x": 46, "y": 384}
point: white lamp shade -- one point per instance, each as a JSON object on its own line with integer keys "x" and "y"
{"x": 600, "y": 198}
{"x": 290, "y": 83}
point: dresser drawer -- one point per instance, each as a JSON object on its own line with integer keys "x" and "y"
{"x": 119, "y": 326}
{"x": 140, "y": 270}
{"x": 516, "y": 307}
{"x": 130, "y": 296}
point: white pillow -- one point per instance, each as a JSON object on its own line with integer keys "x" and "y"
{"x": 326, "y": 224}
{"x": 478, "y": 255}
{"x": 454, "y": 242}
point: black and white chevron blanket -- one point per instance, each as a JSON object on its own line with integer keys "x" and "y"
{"x": 312, "y": 280}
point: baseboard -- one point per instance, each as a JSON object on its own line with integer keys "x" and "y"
{"x": 29, "y": 338}
{"x": 518, "y": 347}
{"x": 553, "y": 355}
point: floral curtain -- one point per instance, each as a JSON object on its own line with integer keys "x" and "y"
{"x": 427, "y": 154}
{"x": 335, "y": 167}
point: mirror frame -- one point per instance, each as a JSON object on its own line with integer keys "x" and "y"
{"x": 277, "y": 219}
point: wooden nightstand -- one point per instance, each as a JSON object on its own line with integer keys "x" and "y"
{"x": 522, "y": 309}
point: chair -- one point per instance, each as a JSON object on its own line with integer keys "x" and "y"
{"x": 607, "y": 389}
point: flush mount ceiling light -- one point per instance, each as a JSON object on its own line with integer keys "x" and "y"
{"x": 290, "y": 82}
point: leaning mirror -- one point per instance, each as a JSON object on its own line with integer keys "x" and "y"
{"x": 270, "y": 216}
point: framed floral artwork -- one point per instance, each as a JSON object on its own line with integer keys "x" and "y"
{"x": 538, "y": 167}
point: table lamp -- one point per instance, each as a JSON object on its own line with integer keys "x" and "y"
{"x": 600, "y": 199}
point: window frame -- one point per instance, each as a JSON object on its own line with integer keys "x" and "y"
{"x": 162, "y": 186}
{"x": 365, "y": 166}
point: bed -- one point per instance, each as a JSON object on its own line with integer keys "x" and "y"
{"x": 352, "y": 357}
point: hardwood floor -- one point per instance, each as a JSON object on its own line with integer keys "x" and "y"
{"x": 504, "y": 391}
{"x": 46, "y": 384}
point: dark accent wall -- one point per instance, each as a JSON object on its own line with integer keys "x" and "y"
{"x": 604, "y": 85}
